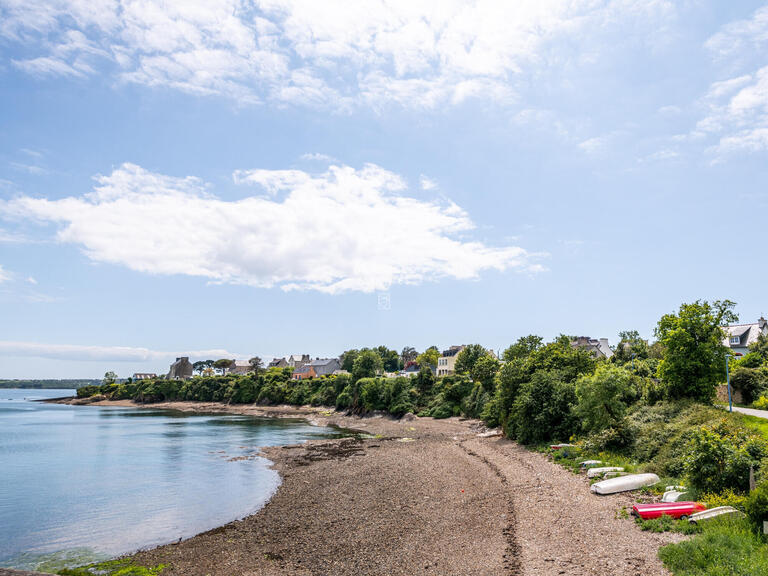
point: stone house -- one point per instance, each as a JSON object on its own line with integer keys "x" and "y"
{"x": 739, "y": 336}
{"x": 181, "y": 369}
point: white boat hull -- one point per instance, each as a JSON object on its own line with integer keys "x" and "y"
{"x": 595, "y": 472}
{"x": 624, "y": 483}
{"x": 718, "y": 512}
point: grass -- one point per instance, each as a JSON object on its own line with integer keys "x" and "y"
{"x": 119, "y": 567}
{"x": 667, "y": 524}
{"x": 727, "y": 547}
{"x": 759, "y": 425}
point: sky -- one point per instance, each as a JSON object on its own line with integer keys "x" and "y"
{"x": 227, "y": 178}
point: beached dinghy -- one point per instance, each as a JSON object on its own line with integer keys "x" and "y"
{"x": 595, "y": 472}
{"x": 624, "y": 483}
{"x": 590, "y": 463}
{"x": 673, "y": 509}
{"x": 672, "y": 495}
{"x": 559, "y": 446}
{"x": 718, "y": 512}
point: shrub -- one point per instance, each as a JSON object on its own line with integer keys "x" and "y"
{"x": 756, "y": 505}
{"x": 725, "y": 498}
{"x": 543, "y": 409}
{"x": 604, "y": 397}
{"x": 752, "y": 382}
{"x": 720, "y": 457}
{"x": 761, "y": 403}
{"x": 87, "y": 391}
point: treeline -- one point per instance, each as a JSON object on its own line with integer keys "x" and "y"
{"x": 48, "y": 384}
{"x": 650, "y": 403}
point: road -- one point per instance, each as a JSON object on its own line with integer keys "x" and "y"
{"x": 752, "y": 412}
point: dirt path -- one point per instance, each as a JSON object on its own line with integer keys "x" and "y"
{"x": 421, "y": 496}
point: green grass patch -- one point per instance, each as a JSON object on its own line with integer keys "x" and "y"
{"x": 727, "y": 547}
{"x": 119, "y": 567}
{"x": 667, "y": 524}
{"x": 759, "y": 425}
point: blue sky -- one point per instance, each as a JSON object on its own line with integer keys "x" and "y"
{"x": 228, "y": 178}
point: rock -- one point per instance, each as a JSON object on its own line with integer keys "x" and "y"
{"x": 408, "y": 417}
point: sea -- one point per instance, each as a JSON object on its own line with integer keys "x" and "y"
{"x": 86, "y": 483}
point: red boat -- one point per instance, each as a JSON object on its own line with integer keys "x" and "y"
{"x": 673, "y": 509}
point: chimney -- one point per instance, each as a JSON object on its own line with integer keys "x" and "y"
{"x": 761, "y": 323}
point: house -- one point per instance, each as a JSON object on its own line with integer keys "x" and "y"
{"x": 325, "y": 366}
{"x": 446, "y": 364}
{"x": 296, "y": 360}
{"x": 278, "y": 363}
{"x": 599, "y": 348}
{"x": 240, "y": 367}
{"x": 181, "y": 369}
{"x": 304, "y": 372}
{"x": 739, "y": 336}
{"x": 143, "y": 376}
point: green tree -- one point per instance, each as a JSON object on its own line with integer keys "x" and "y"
{"x": 523, "y": 347}
{"x": 693, "y": 361}
{"x": 256, "y": 365}
{"x": 109, "y": 378}
{"x": 604, "y": 397}
{"x": 429, "y": 357}
{"x": 347, "y": 359}
{"x": 200, "y": 366}
{"x": 467, "y": 358}
{"x": 367, "y": 364}
{"x": 408, "y": 354}
{"x": 390, "y": 358}
{"x": 630, "y": 346}
{"x": 424, "y": 381}
{"x": 484, "y": 371}
{"x": 223, "y": 364}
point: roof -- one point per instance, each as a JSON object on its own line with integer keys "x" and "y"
{"x": 748, "y": 333}
{"x": 303, "y": 369}
{"x": 452, "y": 351}
{"x": 242, "y": 364}
{"x": 322, "y": 361}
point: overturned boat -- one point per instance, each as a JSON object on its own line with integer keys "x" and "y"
{"x": 624, "y": 483}
{"x": 590, "y": 463}
{"x": 719, "y": 512}
{"x": 672, "y": 495}
{"x": 559, "y": 446}
{"x": 681, "y": 510}
{"x": 595, "y": 472}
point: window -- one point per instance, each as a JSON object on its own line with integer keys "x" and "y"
{"x": 735, "y": 340}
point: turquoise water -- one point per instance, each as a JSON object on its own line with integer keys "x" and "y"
{"x": 93, "y": 482}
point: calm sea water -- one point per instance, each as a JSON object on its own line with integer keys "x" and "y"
{"x": 95, "y": 482}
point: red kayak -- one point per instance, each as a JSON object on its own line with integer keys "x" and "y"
{"x": 674, "y": 509}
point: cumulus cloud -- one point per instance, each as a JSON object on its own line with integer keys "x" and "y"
{"x": 342, "y": 230}
{"x": 4, "y": 276}
{"x": 427, "y": 183}
{"x": 736, "y": 108}
{"x": 333, "y": 53}
{"x": 100, "y": 353}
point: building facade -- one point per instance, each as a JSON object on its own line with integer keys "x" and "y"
{"x": 740, "y": 336}
{"x": 446, "y": 364}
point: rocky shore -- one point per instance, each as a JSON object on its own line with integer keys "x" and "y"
{"x": 415, "y": 496}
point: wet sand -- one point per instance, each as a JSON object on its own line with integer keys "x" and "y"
{"x": 419, "y": 496}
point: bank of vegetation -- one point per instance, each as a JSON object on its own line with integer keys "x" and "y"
{"x": 650, "y": 407}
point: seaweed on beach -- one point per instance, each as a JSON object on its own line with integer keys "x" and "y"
{"x": 119, "y": 567}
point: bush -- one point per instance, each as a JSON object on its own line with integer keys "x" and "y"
{"x": 87, "y": 391}
{"x": 725, "y": 498}
{"x": 604, "y": 397}
{"x": 756, "y": 505}
{"x": 543, "y": 410}
{"x": 752, "y": 382}
{"x": 761, "y": 403}
{"x": 720, "y": 457}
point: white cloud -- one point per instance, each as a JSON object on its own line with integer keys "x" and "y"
{"x": 31, "y": 280}
{"x": 317, "y": 157}
{"x": 4, "y": 276}
{"x": 427, "y": 183}
{"x": 101, "y": 353}
{"x": 341, "y": 230}
{"x": 736, "y": 109}
{"x": 417, "y": 54}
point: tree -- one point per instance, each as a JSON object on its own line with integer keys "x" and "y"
{"x": 467, "y": 358}
{"x": 223, "y": 364}
{"x": 429, "y": 357}
{"x": 523, "y": 348}
{"x": 425, "y": 380}
{"x": 109, "y": 378}
{"x": 389, "y": 358}
{"x": 630, "y": 346}
{"x": 256, "y": 365}
{"x": 693, "y": 361}
{"x": 367, "y": 364}
{"x": 484, "y": 371}
{"x": 347, "y": 359}
{"x": 200, "y": 366}
{"x": 604, "y": 397}
{"x": 408, "y": 354}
